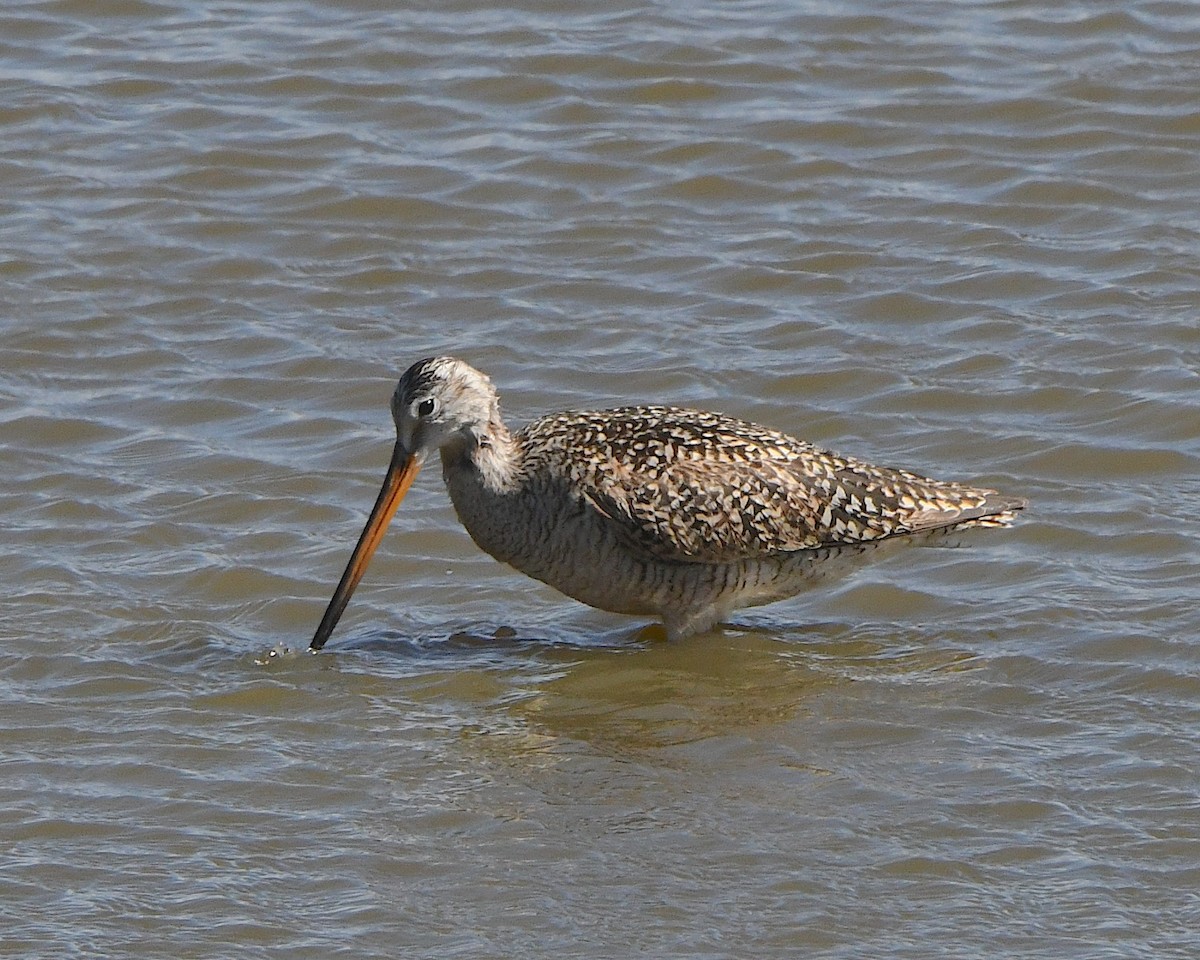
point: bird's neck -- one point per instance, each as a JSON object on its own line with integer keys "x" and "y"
{"x": 491, "y": 456}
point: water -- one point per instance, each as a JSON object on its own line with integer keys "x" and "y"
{"x": 961, "y": 238}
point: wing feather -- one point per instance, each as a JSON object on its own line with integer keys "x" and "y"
{"x": 688, "y": 486}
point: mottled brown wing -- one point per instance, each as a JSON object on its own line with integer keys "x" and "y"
{"x": 720, "y": 511}
{"x": 713, "y": 513}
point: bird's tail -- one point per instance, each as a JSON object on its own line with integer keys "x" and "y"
{"x": 996, "y": 511}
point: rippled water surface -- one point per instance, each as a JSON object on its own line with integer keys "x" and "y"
{"x": 957, "y": 237}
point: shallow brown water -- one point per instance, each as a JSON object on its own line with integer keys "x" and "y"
{"x": 961, "y": 238}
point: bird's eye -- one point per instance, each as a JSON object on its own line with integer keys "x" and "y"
{"x": 425, "y": 407}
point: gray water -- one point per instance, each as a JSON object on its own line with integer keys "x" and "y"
{"x": 961, "y": 238}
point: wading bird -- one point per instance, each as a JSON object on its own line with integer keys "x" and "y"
{"x": 652, "y": 511}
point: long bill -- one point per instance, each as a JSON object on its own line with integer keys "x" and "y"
{"x": 401, "y": 471}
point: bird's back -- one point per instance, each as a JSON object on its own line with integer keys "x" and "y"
{"x": 687, "y": 485}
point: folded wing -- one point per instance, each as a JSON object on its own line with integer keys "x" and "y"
{"x": 729, "y": 490}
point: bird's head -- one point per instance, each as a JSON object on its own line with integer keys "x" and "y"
{"x": 440, "y": 404}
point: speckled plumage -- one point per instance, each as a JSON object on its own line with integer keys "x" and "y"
{"x": 663, "y": 511}
{"x": 702, "y": 487}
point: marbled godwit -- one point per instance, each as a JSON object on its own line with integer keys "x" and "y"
{"x": 659, "y": 511}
